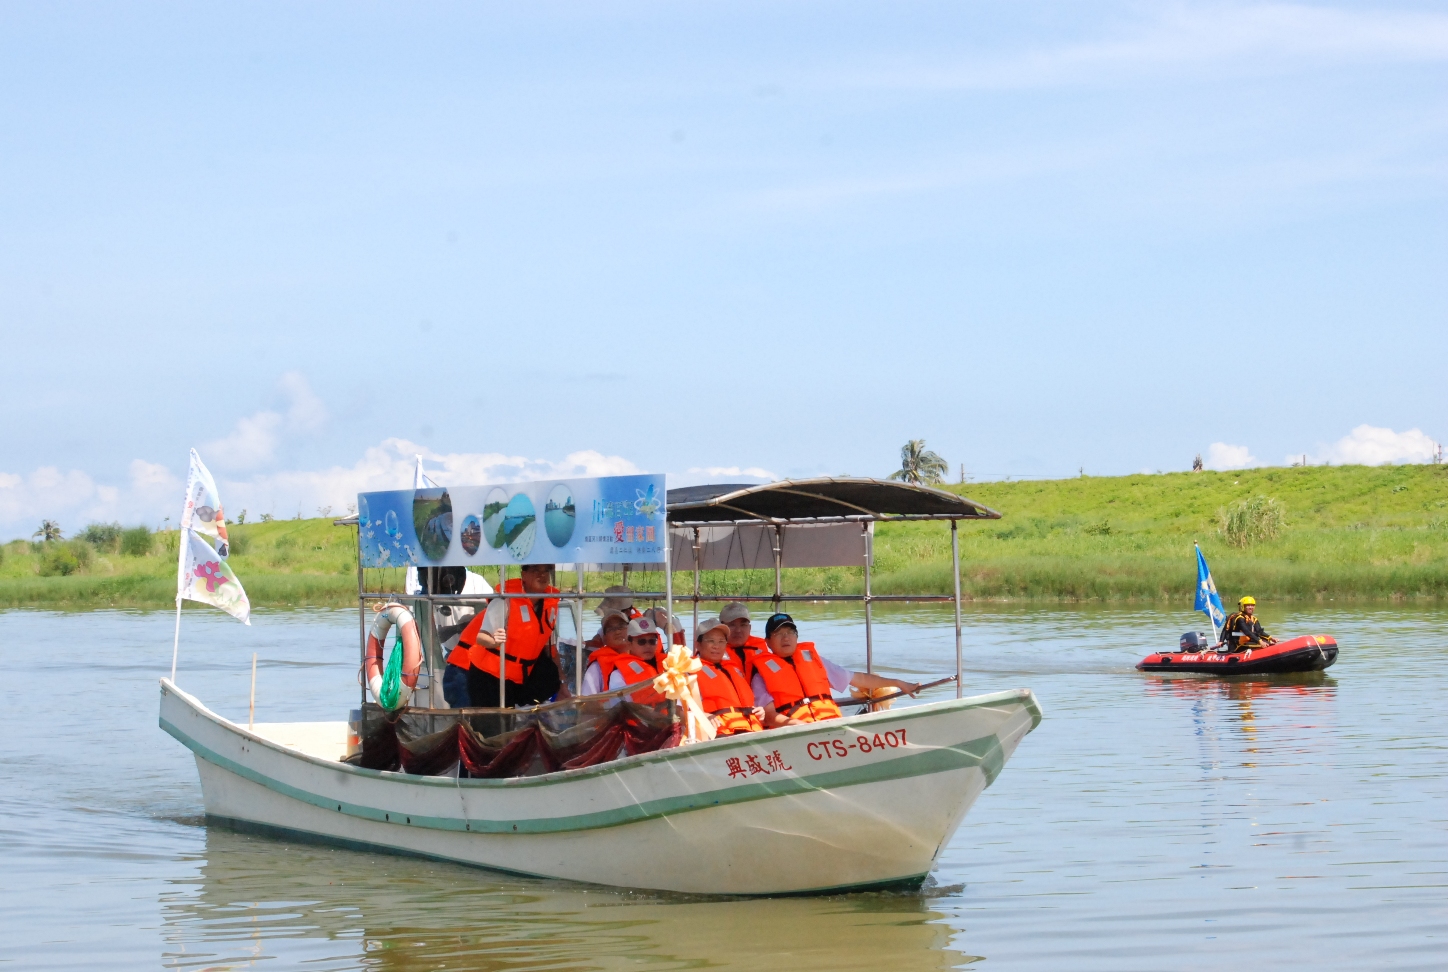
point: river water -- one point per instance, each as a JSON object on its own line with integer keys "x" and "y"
{"x": 1149, "y": 823}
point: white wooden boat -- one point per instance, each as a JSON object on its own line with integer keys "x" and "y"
{"x": 865, "y": 801}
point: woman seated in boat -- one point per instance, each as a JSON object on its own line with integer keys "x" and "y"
{"x": 1243, "y": 630}
{"x": 616, "y": 668}
{"x": 795, "y": 684}
{"x": 723, "y": 688}
{"x": 612, "y": 636}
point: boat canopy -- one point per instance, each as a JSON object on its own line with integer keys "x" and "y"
{"x": 823, "y": 499}
{"x": 824, "y": 522}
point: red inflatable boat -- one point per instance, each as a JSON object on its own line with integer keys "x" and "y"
{"x": 1310, "y": 653}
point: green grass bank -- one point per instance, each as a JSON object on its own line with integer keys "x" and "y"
{"x": 1351, "y": 533}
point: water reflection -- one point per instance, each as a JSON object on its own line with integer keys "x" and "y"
{"x": 341, "y": 909}
{"x": 1285, "y": 714}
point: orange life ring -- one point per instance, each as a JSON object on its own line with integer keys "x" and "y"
{"x": 373, "y": 662}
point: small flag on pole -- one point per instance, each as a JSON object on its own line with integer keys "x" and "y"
{"x": 203, "y": 573}
{"x": 1208, "y": 601}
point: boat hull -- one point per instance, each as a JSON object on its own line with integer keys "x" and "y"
{"x": 1310, "y": 653}
{"x": 858, "y": 802}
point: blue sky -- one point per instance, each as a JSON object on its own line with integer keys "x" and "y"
{"x": 713, "y": 240}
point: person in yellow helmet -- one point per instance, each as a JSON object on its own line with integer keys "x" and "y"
{"x": 1243, "y": 630}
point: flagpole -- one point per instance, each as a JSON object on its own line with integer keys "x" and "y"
{"x": 176, "y": 644}
{"x": 1216, "y": 635}
{"x": 181, "y": 528}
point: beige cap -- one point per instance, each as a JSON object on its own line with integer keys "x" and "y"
{"x": 733, "y": 611}
{"x": 616, "y": 599}
{"x": 707, "y": 625}
{"x": 614, "y": 614}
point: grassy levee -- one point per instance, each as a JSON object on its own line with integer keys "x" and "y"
{"x": 281, "y": 564}
{"x": 1351, "y": 533}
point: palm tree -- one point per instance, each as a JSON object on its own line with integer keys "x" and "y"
{"x": 49, "y": 530}
{"x": 919, "y": 465}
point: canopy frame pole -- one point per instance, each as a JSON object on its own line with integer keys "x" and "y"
{"x": 696, "y": 579}
{"x": 869, "y": 534}
{"x": 778, "y": 565}
{"x": 668, "y": 591}
{"x": 955, "y": 571}
{"x": 503, "y": 649}
{"x": 361, "y": 620}
{"x": 578, "y": 635}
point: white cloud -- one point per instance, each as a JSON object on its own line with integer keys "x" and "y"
{"x": 698, "y": 475}
{"x": 1220, "y": 455}
{"x": 254, "y": 440}
{"x": 1368, "y": 445}
{"x": 153, "y": 491}
{"x": 389, "y": 466}
{"x": 75, "y": 498}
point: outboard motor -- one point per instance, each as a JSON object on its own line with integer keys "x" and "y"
{"x": 1195, "y": 641}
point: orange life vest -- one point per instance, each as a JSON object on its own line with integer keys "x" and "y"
{"x": 631, "y": 667}
{"x": 799, "y": 684}
{"x": 459, "y": 654}
{"x": 528, "y": 634}
{"x": 744, "y": 655}
{"x": 726, "y": 695}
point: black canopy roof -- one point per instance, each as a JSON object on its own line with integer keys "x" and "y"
{"x": 819, "y": 499}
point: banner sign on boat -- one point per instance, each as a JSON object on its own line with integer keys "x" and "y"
{"x": 609, "y": 519}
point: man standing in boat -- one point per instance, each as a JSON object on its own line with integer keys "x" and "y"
{"x": 1243, "y": 630}
{"x": 795, "y": 684}
{"x": 513, "y": 641}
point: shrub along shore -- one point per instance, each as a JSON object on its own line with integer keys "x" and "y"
{"x": 1350, "y": 533}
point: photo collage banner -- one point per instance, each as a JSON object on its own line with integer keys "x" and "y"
{"x": 610, "y": 519}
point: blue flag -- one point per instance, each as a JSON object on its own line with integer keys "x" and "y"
{"x": 1208, "y": 601}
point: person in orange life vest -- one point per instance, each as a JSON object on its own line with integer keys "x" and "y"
{"x": 795, "y": 683}
{"x": 451, "y": 621}
{"x": 610, "y": 669}
{"x": 617, "y": 599}
{"x": 742, "y": 642}
{"x": 723, "y": 688}
{"x": 613, "y": 638}
{"x": 518, "y": 634}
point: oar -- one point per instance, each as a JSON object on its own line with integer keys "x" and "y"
{"x": 886, "y": 698}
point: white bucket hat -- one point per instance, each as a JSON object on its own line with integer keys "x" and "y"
{"x": 616, "y": 599}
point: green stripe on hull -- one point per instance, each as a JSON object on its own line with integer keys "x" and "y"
{"x": 985, "y": 753}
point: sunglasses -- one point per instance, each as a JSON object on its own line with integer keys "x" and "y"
{"x": 647, "y": 639}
